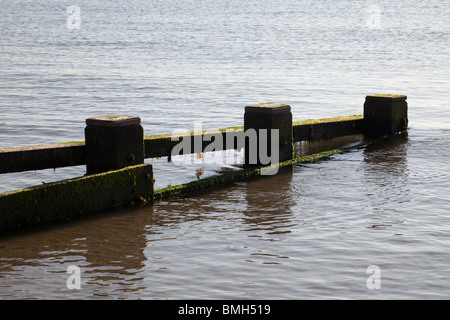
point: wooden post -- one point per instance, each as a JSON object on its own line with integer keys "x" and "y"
{"x": 269, "y": 116}
{"x": 113, "y": 142}
{"x": 385, "y": 114}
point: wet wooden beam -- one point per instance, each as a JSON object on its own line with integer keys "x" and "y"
{"x": 59, "y": 155}
{"x": 79, "y": 196}
{"x": 223, "y": 139}
{"x": 328, "y": 128}
{"x": 304, "y": 130}
{"x": 39, "y": 157}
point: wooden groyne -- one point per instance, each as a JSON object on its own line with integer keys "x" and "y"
{"x": 59, "y": 155}
{"x": 115, "y": 148}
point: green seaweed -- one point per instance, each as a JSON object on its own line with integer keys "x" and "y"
{"x": 326, "y": 120}
{"x": 72, "y": 197}
{"x": 389, "y": 96}
{"x": 230, "y": 177}
{"x": 75, "y": 143}
{"x": 64, "y": 199}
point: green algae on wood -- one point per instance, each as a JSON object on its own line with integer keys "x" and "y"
{"x": 161, "y": 145}
{"x": 66, "y": 154}
{"x": 73, "y": 197}
{"x": 230, "y": 177}
{"x": 327, "y": 128}
{"x": 327, "y": 120}
{"x": 387, "y": 97}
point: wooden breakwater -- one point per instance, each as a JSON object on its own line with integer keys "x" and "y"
{"x": 115, "y": 148}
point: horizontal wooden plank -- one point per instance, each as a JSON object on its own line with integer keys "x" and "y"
{"x": 220, "y": 139}
{"x": 322, "y": 129}
{"x": 232, "y": 176}
{"x": 74, "y": 197}
{"x": 42, "y": 157}
{"x": 232, "y": 138}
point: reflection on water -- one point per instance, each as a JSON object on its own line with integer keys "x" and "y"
{"x": 304, "y": 148}
{"x": 109, "y": 249}
{"x": 386, "y": 179}
{"x": 310, "y": 231}
{"x": 390, "y": 153}
{"x": 268, "y": 208}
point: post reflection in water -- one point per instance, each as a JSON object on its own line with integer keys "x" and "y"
{"x": 268, "y": 210}
{"x": 108, "y": 248}
{"x": 213, "y": 244}
{"x": 115, "y": 247}
{"x": 386, "y": 179}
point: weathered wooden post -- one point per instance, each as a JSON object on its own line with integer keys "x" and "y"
{"x": 113, "y": 142}
{"x": 385, "y": 114}
{"x": 277, "y": 120}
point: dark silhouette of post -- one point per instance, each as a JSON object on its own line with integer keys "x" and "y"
{"x": 385, "y": 114}
{"x": 113, "y": 142}
{"x": 269, "y": 116}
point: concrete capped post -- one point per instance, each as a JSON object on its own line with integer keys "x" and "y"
{"x": 113, "y": 142}
{"x": 268, "y": 116}
{"x": 385, "y": 114}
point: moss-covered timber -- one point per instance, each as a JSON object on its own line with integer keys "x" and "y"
{"x": 327, "y": 128}
{"x": 230, "y": 177}
{"x": 161, "y": 145}
{"x": 73, "y": 197}
{"x": 303, "y": 130}
{"x": 67, "y": 154}
{"x": 39, "y": 157}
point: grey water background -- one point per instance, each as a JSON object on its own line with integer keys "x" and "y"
{"x": 306, "y": 233}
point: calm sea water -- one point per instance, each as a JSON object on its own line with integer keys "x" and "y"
{"x": 310, "y": 232}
